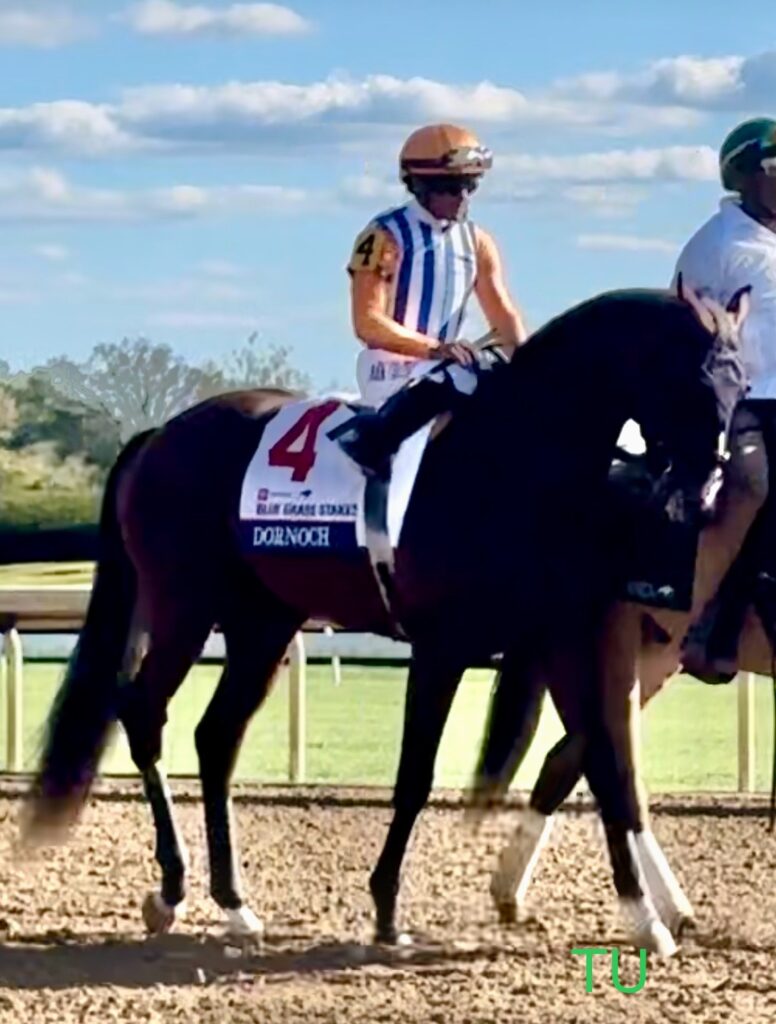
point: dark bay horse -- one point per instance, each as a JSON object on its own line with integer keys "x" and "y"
{"x": 503, "y": 539}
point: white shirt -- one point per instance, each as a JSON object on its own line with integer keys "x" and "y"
{"x": 729, "y": 251}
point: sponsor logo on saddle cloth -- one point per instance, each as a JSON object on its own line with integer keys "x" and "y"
{"x": 302, "y": 494}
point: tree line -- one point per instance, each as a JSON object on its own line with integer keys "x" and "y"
{"x": 62, "y": 424}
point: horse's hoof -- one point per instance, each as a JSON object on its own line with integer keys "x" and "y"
{"x": 655, "y": 938}
{"x": 503, "y": 894}
{"x": 682, "y": 926}
{"x": 508, "y": 911}
{"x": 158, "y": 916}
{"x": 391, "y": 936}
{"x": 243, "y": 924}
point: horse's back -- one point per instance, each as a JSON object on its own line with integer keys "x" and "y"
{"x": 185, "y": 481}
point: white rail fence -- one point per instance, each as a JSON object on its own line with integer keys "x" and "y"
{"x": 61, "y": 609}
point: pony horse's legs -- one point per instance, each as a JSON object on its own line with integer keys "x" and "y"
{"x": 513, "y": 720}
{"x": 622, "y": 710}
{"x": 257, "y": 631}
{"x": 431, "y": 686}
{"x": 614, "y": 775}
{"x": 744, "y": 494}
{"x": 598, "y": 729}
{"x": 603, "y": 768}
{"x": 177, "y": 631}
{"x": 562, "y": 770}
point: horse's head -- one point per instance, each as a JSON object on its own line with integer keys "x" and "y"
{"x": 685, "y": 413}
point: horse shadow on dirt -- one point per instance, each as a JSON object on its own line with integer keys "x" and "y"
{"x": 35, "y": 962}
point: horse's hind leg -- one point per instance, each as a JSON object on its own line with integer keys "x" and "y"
{"x": 257, "y": 631}
{"x": 560, "y": 772}
{"x": 177, "y": 630}
{"x": 513, "y": 720}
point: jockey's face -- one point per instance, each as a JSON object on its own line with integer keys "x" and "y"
{"x": 760, "y": 191}
{"x": 446, "y": 196}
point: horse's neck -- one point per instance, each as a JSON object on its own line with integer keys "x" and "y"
{"x": 569, "y": 399}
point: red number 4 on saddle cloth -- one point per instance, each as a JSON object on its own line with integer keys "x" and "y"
{"x": 302, "y": 459}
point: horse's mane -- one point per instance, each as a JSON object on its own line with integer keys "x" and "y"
{"x": 567, "y": 325}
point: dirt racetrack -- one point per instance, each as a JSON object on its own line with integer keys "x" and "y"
{"x": 73, "y": 947}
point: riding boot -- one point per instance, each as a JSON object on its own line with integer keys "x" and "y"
{"x": 372, "y": 437}
{"x": 710, "y": 649}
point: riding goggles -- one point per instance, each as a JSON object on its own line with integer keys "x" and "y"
{"x": 462, "y": 160}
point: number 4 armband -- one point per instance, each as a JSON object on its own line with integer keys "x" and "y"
{"x": 369, "y": 250}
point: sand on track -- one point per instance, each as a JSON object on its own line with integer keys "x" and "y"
{"x": 72, "y": 946}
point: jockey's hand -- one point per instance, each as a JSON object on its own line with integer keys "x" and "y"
{"x": 462, "y": 352}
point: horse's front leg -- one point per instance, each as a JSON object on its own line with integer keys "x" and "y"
{"x": 431, "y": 686}
{"x": 648, "y": 891}
{"x": 623, "y": 699}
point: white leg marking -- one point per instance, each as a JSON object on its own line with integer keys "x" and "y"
{"x": 645, "y": 929}
{"x": 244, "y": 924}
{"x": 670, "y": 900}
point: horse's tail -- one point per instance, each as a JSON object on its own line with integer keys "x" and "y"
{"x": 24, "y": 544}
{"x": 84, "y": 711}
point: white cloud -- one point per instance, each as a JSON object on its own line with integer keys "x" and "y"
{"x": 45, "y": 29}
{"x": 606, "y": 200}
{"x": 49, "y": 184}
{"x": 370, "y": 189}
{"x": 363, "y": 114}
{"x": 70, "y": 126}
{"x": 204, "y": 320}
{"x": 608, "y": 183}
{"x": 358, "y": 114}
{"x": 729, "y": 82}
{"x": 252, "y": 112}
{"x": 670, "y": 163}
{"x": 166, "y": 18}
{"x": 626, "y": 243}
{"x": 52, "y": 252}
{"x": 42, "y": 194}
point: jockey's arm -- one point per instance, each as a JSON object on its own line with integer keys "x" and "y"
{"x": 500, "y": 311}
{"x": 372, "y": 267}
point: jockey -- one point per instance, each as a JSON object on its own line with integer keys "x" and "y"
{"x": 734, "y": 248}
{"x": 412, "y": 272}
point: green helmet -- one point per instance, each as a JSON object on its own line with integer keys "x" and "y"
{"x": 749, "y": 148}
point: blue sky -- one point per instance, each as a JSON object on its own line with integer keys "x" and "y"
{"x": 193, "y": 172}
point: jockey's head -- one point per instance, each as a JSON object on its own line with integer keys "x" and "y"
{"x": 441, "y": 165}
{"x": 747, "y": 162}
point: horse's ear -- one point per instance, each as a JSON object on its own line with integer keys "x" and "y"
{"x": 740, "y": 304}
{"x": 703, "y": 312}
